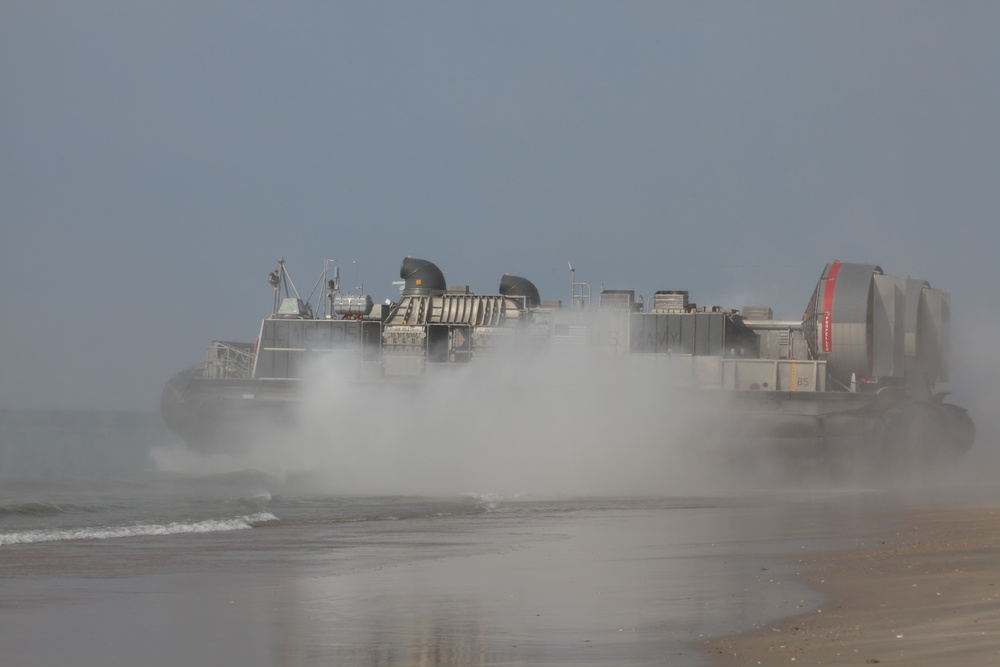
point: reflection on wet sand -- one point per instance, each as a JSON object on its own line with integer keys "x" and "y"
{"x": 624, "y": 582}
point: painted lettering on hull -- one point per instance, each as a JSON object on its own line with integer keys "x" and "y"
{"x": 826, "y": 319}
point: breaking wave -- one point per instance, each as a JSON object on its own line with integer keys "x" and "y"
{"x": 139, "y": 530}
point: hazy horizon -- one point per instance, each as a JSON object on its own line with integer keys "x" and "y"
{"x": 158, "y": 159}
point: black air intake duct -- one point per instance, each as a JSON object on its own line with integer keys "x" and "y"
{"x": 422, "y": 278}
{"x": 516, "y": 286}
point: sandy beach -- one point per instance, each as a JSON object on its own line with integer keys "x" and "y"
{"x": 600, "y": 581}
{"x": 926, "y": 593}
{"x": 597, "y": 582}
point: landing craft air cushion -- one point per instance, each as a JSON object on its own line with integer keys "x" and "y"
{"x": 853, "y": 379}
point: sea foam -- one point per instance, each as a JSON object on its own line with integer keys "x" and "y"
{"x": 137, "y": 530}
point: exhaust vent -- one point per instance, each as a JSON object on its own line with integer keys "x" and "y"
{"x": 422, "y": 278}
{"x": 670, "y": 301}
{"x": 518, "y": 287}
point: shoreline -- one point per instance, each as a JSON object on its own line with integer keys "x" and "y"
{"x": 925, "y": 592}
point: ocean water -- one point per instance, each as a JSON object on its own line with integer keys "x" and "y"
{"x": 119, "y": 547}
{"x": 68, "y": 475}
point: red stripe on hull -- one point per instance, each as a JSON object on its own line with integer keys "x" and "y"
{"x": 826, "y": 319}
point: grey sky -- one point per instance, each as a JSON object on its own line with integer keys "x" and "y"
{"x": 158, "y": 157}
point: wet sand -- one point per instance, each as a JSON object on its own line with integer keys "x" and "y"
{"x": 925, "y": 593}
{"x": 604, "y": 582}
{"x": 623, "y": 582}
